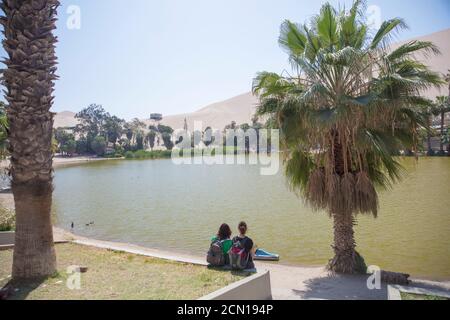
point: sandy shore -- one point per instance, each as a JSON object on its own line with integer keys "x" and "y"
{"x": 64, "y": 161}
{"x": 59, "y": 162}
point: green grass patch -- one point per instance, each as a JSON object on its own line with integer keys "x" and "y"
{"x": 141, "y": 154}
{"x": 114, "y": 275}
{"x": 165, "y": 154}
{"x": 412, "y": 296}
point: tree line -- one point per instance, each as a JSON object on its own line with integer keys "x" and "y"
{"x": 100, "y": 133}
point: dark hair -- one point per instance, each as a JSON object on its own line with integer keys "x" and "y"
{"x": 242, "y": 227}
{"x": 224, "y": 232}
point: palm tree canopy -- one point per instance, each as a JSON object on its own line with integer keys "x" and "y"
{"x": 349, "y": 104}
{"x": 441, "y": 105}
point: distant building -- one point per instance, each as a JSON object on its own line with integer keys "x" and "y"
{"x": 156, "y": 116}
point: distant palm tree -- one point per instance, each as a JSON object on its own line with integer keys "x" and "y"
{"x": 429, "y": 113}
{"x": 3, "y": 131}
{"x": 447, "y": 79}
{"x": 440, "y": 108}
{"x": 29, "y": 80}
{"x": 349, "y": 105}
{"x": 135, "y": 130}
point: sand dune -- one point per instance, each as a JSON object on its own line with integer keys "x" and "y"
{"x": 242, "y": 108}
{"x": 439, "y": 63}
{"x": 65, "y": 119}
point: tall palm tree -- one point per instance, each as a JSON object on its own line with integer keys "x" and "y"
{"x": 349, "y": 105}
{"x": 29, "y": 79}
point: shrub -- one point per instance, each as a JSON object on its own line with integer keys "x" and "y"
{"x": 98, "y": 145}
{"x": 7, "y": 219}
{"x": 141, "y": 154}
{"x": 129, "y": 155}
{"x": 81, "y": 146}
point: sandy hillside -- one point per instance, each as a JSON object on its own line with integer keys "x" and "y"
{"x": 440, "y": 63}
{"x": 65, "y": 119}
{"x": 242, "y": 107}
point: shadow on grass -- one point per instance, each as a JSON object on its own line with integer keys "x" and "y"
{"x": 20, "y": 289}
{"x": 241, "y": 273}
{"x": 341, "y": 287}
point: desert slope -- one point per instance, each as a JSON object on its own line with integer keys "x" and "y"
{"x": 65, "y": 119}
{"x": 439, "y": 63}
{"x": 240, "y": 109}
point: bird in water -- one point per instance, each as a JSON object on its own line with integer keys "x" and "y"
{"x": 72, "y": 225}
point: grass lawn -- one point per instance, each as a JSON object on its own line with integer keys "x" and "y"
{"x": 411, "y": 296}
{"x": 117, "y": 275}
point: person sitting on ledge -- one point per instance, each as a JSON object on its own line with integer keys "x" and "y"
{"x": 224, "y": 236}
{"x": 246, "y": 243}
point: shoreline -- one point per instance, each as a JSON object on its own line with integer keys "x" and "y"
{"x": 198, "y": 257}
{"x": 61, "y": 234}
{"x": 59, "y": 161}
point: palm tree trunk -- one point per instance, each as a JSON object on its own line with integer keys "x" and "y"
{"x": 31, "y": 66}
{"x": 34, "y": 252}
{"x": 429, "y": 149}
{"x": 441, "y": 147}
{"x": 346, "y": 259}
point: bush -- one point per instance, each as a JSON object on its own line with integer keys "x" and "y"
{"x": 98, "y": 145}
{"x": 81, "y": 146}
{"x": 129, "y": 155}
{"x": 7, "y": 220}
{"x": 69, "y": 147}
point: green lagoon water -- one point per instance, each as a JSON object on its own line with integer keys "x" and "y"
{"x": 157, "y": 204}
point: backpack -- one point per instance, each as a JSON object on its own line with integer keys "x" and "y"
{"x": 238, "y": 256}
{"x": 215, "y": 256}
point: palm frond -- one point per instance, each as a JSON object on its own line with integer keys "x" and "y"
{"x": 292, "y": 38}
{"x": 386, "y": 32}
{"x": 426, "y": 48}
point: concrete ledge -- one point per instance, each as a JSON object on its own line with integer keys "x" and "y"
{"x": 130, "y": 248}
{"x": 7, "y": 238}
{"x": 256, "y": 287}
{"x": 394, "y": 292}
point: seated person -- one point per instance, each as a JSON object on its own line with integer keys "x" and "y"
{"x": 246, "y": 243}
{"x": 223, "y": 235}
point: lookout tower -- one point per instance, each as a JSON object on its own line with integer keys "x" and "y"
{"x": 156, "y": 116}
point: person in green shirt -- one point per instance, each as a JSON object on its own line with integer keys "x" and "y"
{"x": 224, "y": 235}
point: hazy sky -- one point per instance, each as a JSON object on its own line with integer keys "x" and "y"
{"x": 173, "y": 56}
